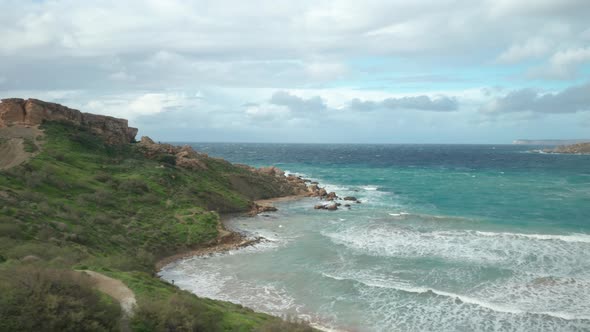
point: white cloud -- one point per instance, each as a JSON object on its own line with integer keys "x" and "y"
{"x": 563, "y": 64}
{"x": 532, "y": 48}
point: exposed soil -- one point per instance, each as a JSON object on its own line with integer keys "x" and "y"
{"x": 12, "y": 147}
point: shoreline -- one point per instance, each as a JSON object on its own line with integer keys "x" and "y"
{"x": 227, "y": 239}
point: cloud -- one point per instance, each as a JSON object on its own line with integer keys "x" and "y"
{"x": 532, "y": 48}
{"x": 563, "y": 64}
{"x": 571, "y": 100}
{"x": 296, "y": 103}
{"x": 421, "y": 103}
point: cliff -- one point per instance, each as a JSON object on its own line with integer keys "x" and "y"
{"x": 33, "y": 112}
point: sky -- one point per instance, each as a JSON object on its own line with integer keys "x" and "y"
{"x": 446, "y": 71}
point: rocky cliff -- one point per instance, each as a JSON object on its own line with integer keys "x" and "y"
{"x": 32, "y": 112}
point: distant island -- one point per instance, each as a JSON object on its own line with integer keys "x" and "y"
{"x": 580, "y": 148}
{"x": 549, "y": 141}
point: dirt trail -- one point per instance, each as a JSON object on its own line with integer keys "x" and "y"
{"x": 117, "y": 290}
{"x": 12, "y": 147}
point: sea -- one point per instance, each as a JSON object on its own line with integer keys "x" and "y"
{"x": 446, "y": 238}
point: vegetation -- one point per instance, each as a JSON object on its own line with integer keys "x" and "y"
{"x": 36, "y": 299}
{"x": 30, "y": 146}
{"x": 83, "y": 204}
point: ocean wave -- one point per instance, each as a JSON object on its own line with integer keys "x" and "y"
{"x": 370, "y": 188}
{"x": 574, "y": 237}
{"x": 426, "y": 217}
{"x": 399, "y": 214}
{"x": 551, "y": 254}
{"x": 460, "y": 298}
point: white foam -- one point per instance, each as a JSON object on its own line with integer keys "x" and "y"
{"x": 548, "y": 254}
{"x": 399, "y": 214}
{"x": 575, "y": 237}
{"x": 497, "y": 307}
{"x": 370, "y": 188}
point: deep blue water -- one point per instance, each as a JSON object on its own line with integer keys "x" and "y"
{"x": 448, "y": 238}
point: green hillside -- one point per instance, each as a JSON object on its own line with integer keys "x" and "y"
{"x": 81, "y": 204}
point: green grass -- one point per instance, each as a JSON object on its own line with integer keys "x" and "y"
{"x": 83, "y": 204}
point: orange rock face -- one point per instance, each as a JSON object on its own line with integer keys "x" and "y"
{"x": 32, "y": 112}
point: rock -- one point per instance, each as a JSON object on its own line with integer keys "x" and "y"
{"x": 347, "y": 205}
{"x": 579, "y": 148}
{"x": 332, "y": 207}
{"x": 257, "y": 209}
{"x": 350, "y": 198}
{"x": 322, "y": 192}
{"x": 272, "y": 170}
{"x": 33, "y": 112}
{"x": 145, "y": 140}
{"x": 331, "y": 196}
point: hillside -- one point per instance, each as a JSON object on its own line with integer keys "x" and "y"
{"x": 86, "y": 199}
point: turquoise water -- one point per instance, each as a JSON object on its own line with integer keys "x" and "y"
{"x": 447, "y": 238}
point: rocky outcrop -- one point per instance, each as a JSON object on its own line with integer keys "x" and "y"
{"x": 257, "y": 209}
{"x": 33, "y": 112}
{"x": 182, "y": 156}
{"x": 329, "y": 207}
{"x": 580, "y": 148}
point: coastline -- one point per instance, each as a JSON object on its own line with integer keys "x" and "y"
{"x": 232, "y": 240}
{"x": 227, "y": 239}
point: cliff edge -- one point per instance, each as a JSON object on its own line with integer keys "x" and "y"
{"x": 33, "y": 112}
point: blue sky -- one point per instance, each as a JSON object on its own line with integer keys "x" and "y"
{"x": 448, "y": 71}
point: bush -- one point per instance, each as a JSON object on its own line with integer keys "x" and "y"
{"x": 181, "y": 312}
{"x": 33, "y": 299}
{"x": 134, "y": 186}
{"x": 11, "y": 230}
{"x": 30, "y": 146}
{"x": 287, "y": 325}
{"x": 103, "y": 177}
{"x": 167, "y": 159}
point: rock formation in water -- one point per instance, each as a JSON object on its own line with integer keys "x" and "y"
{"x": 33, "y": 112}
{"x": 580, "y": 148}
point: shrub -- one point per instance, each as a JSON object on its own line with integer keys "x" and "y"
{"x": 11, "y": 230}
{"x": 30, "y": 146}
{"x": 134, "y": 186}
{"x": 167, "y": 159}
{"x": 181, "y": 312}
{"x": 34, "y": 299}
{"x": 288, "y": 325}
{"x": 103, "y": 177}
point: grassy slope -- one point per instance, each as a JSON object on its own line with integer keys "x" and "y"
{"x": 83, "y": 204}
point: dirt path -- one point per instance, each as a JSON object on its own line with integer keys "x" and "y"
{"x": 117, "y": 290}
{"x": 12, "y": 147}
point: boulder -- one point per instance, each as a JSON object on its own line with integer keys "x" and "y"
{"x": 350, "y": 198}
{"x": 332, "y": 207}
{"x": 331, "y": 196}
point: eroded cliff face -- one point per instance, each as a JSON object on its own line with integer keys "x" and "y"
{"x": 32, "y": 112}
